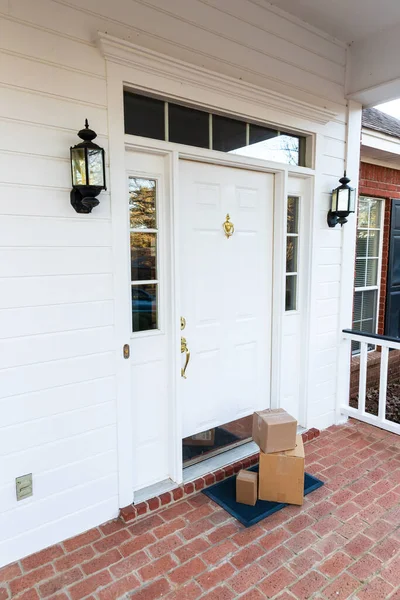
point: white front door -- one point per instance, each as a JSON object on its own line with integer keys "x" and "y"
{"x": 226, "y": 290}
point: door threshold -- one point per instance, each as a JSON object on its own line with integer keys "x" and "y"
{"x": 217, "y": 462}
{"x": 223, "y": 459}
{"x": 154, "y": 490}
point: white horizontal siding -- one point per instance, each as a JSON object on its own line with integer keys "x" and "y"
{"x": 28, "y": 321}
{"x": 57, "y": 347}
{"x": 39, "y": 201}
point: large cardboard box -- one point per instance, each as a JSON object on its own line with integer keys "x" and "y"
{"x": 281, "y": 475}
{"x": 274, "y": 430}
{"x": 246, "y": 487}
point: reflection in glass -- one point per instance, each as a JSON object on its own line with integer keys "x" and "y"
{"x": 95, "y": 166}
{"x": 291, "y": 292}
{"x": 142, "y": 203}
{"x": 375, "y": 213}
{"x": 293, "y": 215}
{"x": 363, "y": 213}
{"x": 144, "y": 307}
{"x": 143, "y": 256}
{"x": 291, "y": 254}
{"x": 78, "y": 166}
{"x": 281, "y": 148}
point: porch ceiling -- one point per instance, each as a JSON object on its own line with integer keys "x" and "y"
{"x": 344, "y": 20}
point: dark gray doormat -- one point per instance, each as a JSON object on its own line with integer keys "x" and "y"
{"x": 224, "y": 494}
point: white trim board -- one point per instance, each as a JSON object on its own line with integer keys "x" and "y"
{"x": 149, "y": 62}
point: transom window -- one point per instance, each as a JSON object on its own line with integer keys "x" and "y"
{"x": 292, "y": 252}
{"x": 168, "y": 121}
{"x": 366, "y": 285}
{"x": 144, "y": 263}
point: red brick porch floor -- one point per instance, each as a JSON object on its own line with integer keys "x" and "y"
{"x": 343, "y": 543}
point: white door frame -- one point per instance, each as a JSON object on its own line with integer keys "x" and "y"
{"x": 120, "y": 74}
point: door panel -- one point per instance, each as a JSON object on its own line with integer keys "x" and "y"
{"x": 151, "y": 342}
{"x": 392, "y": 319}
{"x": 225, "y": 292}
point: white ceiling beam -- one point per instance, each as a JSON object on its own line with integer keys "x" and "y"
{"x": 373, "y": 68}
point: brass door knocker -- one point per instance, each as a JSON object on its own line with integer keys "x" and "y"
{"x": 228, "y": 227}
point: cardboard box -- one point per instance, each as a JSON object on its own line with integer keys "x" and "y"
{"x": 274, "y": 430}
{"x": 246, "y": 487}
{"x": 205, "y": 438}
{"x": 281, "y": 475}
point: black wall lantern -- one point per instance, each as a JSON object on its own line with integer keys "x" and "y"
{"x": 342, "y": 204}
{"x": 88, "y": 171}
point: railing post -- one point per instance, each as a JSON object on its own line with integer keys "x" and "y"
{"x": 362, "y": 388}
{"x": 383, "y": 382}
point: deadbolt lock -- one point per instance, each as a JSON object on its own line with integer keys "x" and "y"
{"x": 183, "y": 323}
{"x": 126, "y": 351}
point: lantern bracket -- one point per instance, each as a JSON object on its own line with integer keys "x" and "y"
{"x": 83, "y": 203}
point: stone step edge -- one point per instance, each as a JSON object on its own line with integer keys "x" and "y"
{"x": 133, "y": 512}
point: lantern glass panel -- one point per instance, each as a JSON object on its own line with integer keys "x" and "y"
{"x": 334, "y": 201}
{"x": 352, "y": 207}
{"x": 78, "y": 166}
{"x": 343, "y": 201}
{"x": 95, "y": 166}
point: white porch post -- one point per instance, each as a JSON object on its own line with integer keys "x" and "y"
{"x": 347, "y": 260}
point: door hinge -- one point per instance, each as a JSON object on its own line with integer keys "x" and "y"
{"x": 126, "y": 351}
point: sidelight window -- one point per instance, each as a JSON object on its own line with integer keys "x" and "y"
{"x": 144, "y": 258}
{"x": 292, "y": 253}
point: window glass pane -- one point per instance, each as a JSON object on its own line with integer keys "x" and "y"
{"x": 144, "y": 116}
{"x": 362, "y": 242}
{"x": 95, "y": 160}
{"x": 375, "y": 213}
{"x": 360, "y": 273}
{"x": 281, "y": 148}
{"x": 188, "y": 126}
{"x": 357, "y": 307}
{"x": 292, "y": 214}
{"x": 228, "y": 134}
{"x": 363, "y": 213}
{"x": 261, "y": 134}
{"x": 291, "y": 254}
{"x": 372, "y": 271}
{"x": 291, "y": 292}
{"x": 373, "y": 243}
{"x": 368, "y": 304}
{"x": 143, "y": 256}
{"x": 144, "y": 307}
{"x": 142, "y": 203}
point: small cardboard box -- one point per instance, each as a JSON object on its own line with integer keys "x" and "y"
{"x": 205, "y": 438}
{"x": 281, "y": 475}
{"x": 246, "y": 487}
{"x": 274, "y": 430}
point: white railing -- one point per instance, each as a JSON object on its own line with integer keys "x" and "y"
{"x": 385, "y": 343}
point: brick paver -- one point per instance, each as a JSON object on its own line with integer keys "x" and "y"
{"x": 344, "y": 542}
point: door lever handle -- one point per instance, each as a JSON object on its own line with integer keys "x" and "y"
{"x": 184, "y": 348}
